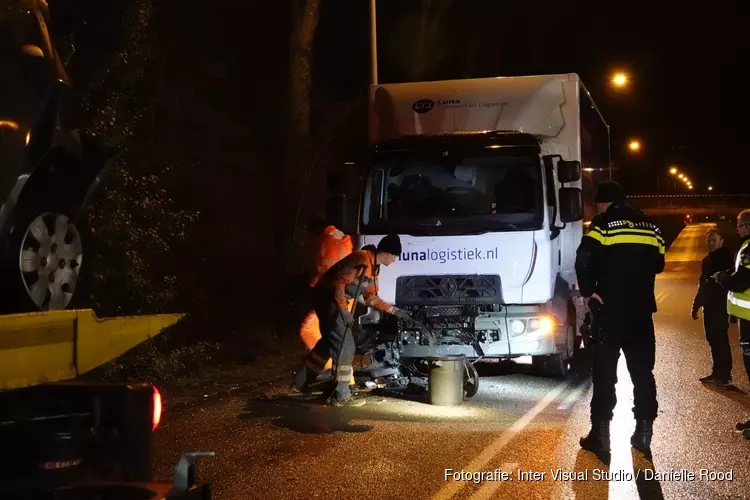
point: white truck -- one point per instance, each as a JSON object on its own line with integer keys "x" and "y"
{"x": 489, "y": 183}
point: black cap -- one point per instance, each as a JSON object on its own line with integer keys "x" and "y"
{"x": 390, "y": 244}
{"x": 609, "y": 192}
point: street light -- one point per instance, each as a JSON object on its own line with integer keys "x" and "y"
{"x": 634, "y": 145}
{"x": 673, "y": 170}
{"x": 710, "y": 188}
{"x": 619, "y": 79}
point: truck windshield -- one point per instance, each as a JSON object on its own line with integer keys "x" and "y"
{"x": 418, "y": 195}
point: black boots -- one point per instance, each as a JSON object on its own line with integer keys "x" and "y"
{"x": 597, "y": 441}
{"x": 641, "y": 438}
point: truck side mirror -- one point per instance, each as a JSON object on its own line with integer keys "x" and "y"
{"x": 568, "y": 171}
{"x": 336, "y": 181}
{"x": 336, "y": 211}
{"x": 571, "y": 204}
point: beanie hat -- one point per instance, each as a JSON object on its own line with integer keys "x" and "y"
{"x": 609, "y": 192}
{"x": 390, "y": 244}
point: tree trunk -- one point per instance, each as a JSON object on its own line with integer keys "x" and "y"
{"x": 304, "y": 22}
{"x": 299, "y": 142}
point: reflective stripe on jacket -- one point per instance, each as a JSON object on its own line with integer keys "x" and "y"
{"x": 738, "y": 302}
{"x": 355, "y": 275}
{"x": 619, "y": 258}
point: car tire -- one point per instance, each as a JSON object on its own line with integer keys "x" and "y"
{"x": 43, "y": 261}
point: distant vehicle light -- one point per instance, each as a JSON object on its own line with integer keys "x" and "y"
{"x": 157, "y": 408}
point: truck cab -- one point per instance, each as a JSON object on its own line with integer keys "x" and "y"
{"x": 484, "y": 182}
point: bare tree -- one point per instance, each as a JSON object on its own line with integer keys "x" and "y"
{"x": 305, "y": 15}
{"x": 304, "y": 21}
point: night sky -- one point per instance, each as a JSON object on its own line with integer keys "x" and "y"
{"x": 686, "y": 101}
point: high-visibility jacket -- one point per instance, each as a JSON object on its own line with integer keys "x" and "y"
{"x": 619, "y": 258}
{"x": 354, "y": 276}
{"x": 738, "y": 298}
{"x": 330, "y": 250}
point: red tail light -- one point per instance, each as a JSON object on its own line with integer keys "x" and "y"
{"x": 156, "y": 416}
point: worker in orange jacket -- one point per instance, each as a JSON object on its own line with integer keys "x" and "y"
{"x": 332, "y": 246}
{"x": 354, "y": 277}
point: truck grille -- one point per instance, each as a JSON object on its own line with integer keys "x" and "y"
{"x": 448, "y": 290}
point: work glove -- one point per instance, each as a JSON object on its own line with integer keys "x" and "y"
{"x": 401, "y": 314}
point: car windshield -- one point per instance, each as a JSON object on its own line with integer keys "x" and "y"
{"x": 436, "y": 195}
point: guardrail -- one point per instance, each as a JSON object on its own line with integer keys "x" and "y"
{"x": 696, "y": 204}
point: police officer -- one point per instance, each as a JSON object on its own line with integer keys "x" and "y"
{"x": 617, "y": 263}
{"x": 737, "y": 282}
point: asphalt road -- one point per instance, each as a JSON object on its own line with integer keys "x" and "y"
{"x": 282, "y": 447}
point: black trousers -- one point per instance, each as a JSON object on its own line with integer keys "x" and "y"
{"x": 634, "y": 335}
{"x": 745, "y": 344}
{"x": 716, "y": 326}
{"x": 336, "y": 343}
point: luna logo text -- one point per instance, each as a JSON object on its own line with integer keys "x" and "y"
{"x": 447, "y": 255}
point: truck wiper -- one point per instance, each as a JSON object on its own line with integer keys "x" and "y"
{"x": 432, "y": 228}
{"x": 478, "y": 228}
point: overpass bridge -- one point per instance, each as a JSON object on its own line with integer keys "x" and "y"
{"x": 694, "y": 204}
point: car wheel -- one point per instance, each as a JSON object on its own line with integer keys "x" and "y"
{"x": 44, "y": 259}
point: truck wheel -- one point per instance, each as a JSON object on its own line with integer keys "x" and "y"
{"x": 44, "y": 260}
{"x": 557, "y": 365}
{"x": 471, "y": 379}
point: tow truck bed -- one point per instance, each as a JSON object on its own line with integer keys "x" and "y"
{"x": 43, "y": 347}
{"x": 64, "y": 439}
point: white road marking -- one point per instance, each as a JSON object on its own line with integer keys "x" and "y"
{"x": 574, "y": 395}
{"x": 659, "y": 297}
{"x": 483, "y": 458}
{"x": 490, "y": 487}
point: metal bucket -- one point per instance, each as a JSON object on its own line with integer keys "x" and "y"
{"x": 446, "y": 380}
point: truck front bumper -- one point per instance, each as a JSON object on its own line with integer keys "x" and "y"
{"x": 517, "y": 330}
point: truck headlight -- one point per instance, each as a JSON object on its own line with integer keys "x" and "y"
{"x": 543, "y": 325}
{"x": 517, "y": 327}
{"x": 538, "y": 326}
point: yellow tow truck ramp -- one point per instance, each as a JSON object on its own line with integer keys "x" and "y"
{"x": 51, "y": 346}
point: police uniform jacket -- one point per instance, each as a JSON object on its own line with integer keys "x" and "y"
{"x": 619, "y": 258}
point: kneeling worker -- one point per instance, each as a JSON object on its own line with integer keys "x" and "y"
{"x": 332, "y": 245}
{"x": 354, "y": 276}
